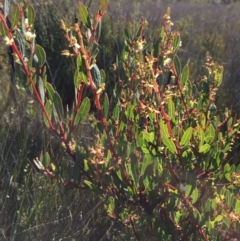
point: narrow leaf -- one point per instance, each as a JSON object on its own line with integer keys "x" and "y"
{"x": 185, "y": 75}
{"x": 177, "y": 65}
{"x": 171, "y": 109}
{"x": 41, "y": 89}
{"x": 105, "y": 105}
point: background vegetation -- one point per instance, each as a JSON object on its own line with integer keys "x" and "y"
{"x": 33, "y": 207}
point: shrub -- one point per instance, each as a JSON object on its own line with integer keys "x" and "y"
{"x": 159, "y": 159}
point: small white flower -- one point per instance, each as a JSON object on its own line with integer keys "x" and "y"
{"x": 29, "y": 35}
{"x": 8, "y": 41}
{"x": 180, "y": 44}
{"x": 167, "y": 62}
{"x": 26, "y": 21}
{"x": 77, "y": 46}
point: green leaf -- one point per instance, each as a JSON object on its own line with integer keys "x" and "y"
{"x": 177, "y": 65}
{"x": 163, "y": 128}
{"x": 237, "y": 206}
{"x": 200, "y": 135}
{"x": 176, "y": 42}
{"x": 118, "y": 182}
{"x": 203, "y": 120}
{"x": 84, "y": 16}
{"x": 30, "y": 14}
{"x": 105, "y": 105}
{"x": 138, "y": 33}
{"x": 79, "y": 61}
{"x": 76, "y": 79}
{"x": 103, "y": 6}
{"x": 83, "y": 77}
{"x": 186, "y": 137}
{"x": 171, "y": 109}
{"x": 194, "y": 195}
{"x": 229, "y": 123}
{"x": 48, "y": 107}
{"x": 46, "y": 159}
{"x": 83, "y": 111}
{"x": 88, "y": 184}
{"x": 169, "y": 144}
{"x": 41, "y": 55}
{"x": 41, "y": 89}
{"x": 58, "y": 105}
{"x": 134, "y": 167}
{"x": 116, "y": 112}
{"x": 146, "y": 162}
{"x": 185, "y": 75}
{"x": 209, "y": 134}
{"x": 3, "y": 29}
{"x": 94, "y": 50}
{"x": 226, "y": 221}
{"x": 227, "y": 172}
{"x": 50, "y": 91}
{"x": 149, "y": 137}
{"x": 15, "y": 16}
{"x": 103, "y": 76}
{"x": 127, "y": 31}
{"x": 204, "y": 148}
{"x": 144, "y": 150}
{"x": 219, "y": 76}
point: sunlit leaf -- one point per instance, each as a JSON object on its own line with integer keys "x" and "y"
{"x": 237, "y": 206}
{"x": 84, "y": 16}
{"x": 204, "y": 148}
{"x": 103, "y": 6}
{"x": 163, "y": 128}
{"x": 194, "y": 195}
{"x": 169, "y": 144}
{"x": 186, "y": 137}
{"x": 185, "y": 75}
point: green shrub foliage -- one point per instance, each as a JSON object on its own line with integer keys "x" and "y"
{"x": 160, "y": 154}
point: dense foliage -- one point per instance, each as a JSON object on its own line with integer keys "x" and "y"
{"x": 157, "y": 161}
